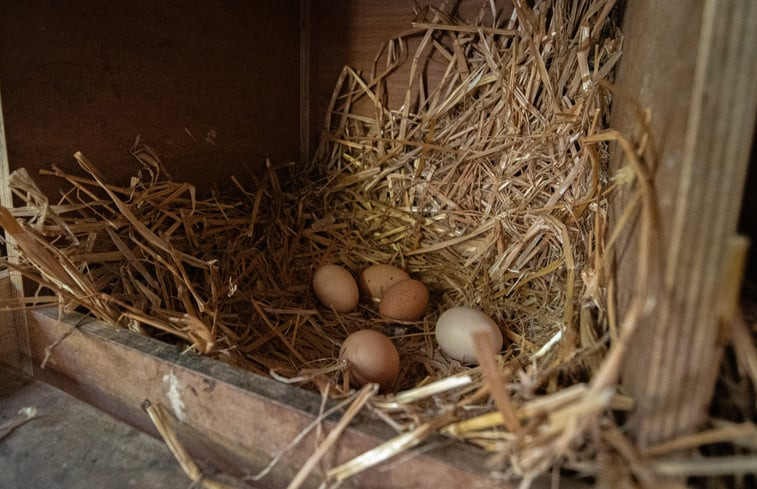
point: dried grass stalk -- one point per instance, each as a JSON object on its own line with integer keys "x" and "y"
{"x": 23, "y": 416}
{"x": 163, "y": 422}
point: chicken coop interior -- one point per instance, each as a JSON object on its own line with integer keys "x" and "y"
{"x": 580, "y": 174}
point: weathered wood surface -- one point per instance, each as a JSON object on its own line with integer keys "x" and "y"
{"x": 252, "y": 417}
{"x": 10, "y": 331}
{"x": 693, "y": 64}
{"x": 71, "y": 445}
{"x": 14, "y": 343}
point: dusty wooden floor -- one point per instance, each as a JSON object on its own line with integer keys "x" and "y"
{"x": 70, "y": 444}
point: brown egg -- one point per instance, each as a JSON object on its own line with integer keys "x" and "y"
{"x": 335, "y": 287}
{"x": 371, "y": 357}
{"x": 377, "y": 279}
{"x": 405, "y": 301}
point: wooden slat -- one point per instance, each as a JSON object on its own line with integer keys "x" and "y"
{"x": 306, "y": 18}
{"x": 252, "y": 417}
{"x": 9, "y": 345}
{"x": 14, "y": 340}
{"x": 693, "y": 64}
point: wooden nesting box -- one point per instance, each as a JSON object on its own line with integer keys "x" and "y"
{"x": 218, "y": 87}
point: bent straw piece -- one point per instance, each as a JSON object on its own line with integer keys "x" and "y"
{"x": 735, "y": 465}
{"x": 413, "y": 395}
{"x": 23, "y": 416}
{"x": 368, "y": 391}
{"x": 162, "y": 420}
{"x": 730, "y": 432}
{"x": 388, "y": 449}
{"x": 122, "y": 207}
{"x": 495, "y": 381}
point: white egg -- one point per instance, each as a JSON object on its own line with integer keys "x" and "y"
{"x": 455, "y": 330}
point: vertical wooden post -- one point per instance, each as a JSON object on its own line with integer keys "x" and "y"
{"x": 305, "y": 39}
{"x": 14, "y": 339}
{"x": 703, "y": 113}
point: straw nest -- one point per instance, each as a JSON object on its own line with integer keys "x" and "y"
{"x": 489, "y": 183}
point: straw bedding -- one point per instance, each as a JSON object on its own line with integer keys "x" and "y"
{"x": 489, "y": 183}
{"x": 480, "y": 185}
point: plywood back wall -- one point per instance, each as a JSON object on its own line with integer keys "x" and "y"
{"x": 213, "y": 86}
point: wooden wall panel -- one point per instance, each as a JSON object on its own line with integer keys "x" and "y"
{"x": 211, "y": 85}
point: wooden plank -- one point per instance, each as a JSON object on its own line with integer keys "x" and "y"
{"x": 306, "y": 21}
{"x": 70, "y": 444}
{"x": 251, "y": 416}
{"x": 9, "y": 347}
{"x": 748, "y": 217}
{"x": 14, "y": 340}
{"x": 692, "y": 63}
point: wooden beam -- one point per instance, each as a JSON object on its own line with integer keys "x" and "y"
{"x": 693, "y": 65}
{"x": 248, "y": 417}
{"x": 14, "y": 339}
{"x": 306, "y": 16}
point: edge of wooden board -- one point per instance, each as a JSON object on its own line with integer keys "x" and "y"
{"x": 244, "y": 418}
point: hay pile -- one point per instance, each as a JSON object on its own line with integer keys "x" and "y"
{"x": 489, "y": 184}
{"x": 482, "y": 186}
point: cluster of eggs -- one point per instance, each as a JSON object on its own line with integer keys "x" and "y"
{"x": 370, "y": 355}
{"x": 399, "y": 296}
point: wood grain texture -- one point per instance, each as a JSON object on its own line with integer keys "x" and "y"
{"x": 14, "y": 339}
{"x": 306, "y": 40}
{"x": 71, "y": 445}
{"x": 251, "y": 417}
{"x": 748, "y": 217}
{"x": 212, "y": 86}
{"x": 10, "y": 351}
{"x": 693, "y": 64}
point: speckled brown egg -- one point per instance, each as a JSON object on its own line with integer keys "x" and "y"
{"x": 405, "y": 301}
{"x": 336, "y": 287}
{"x": 377, "y": 279}
{"x": 371, "y": 357}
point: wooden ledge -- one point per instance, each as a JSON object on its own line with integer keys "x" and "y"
{"x": 238, "y": 420}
